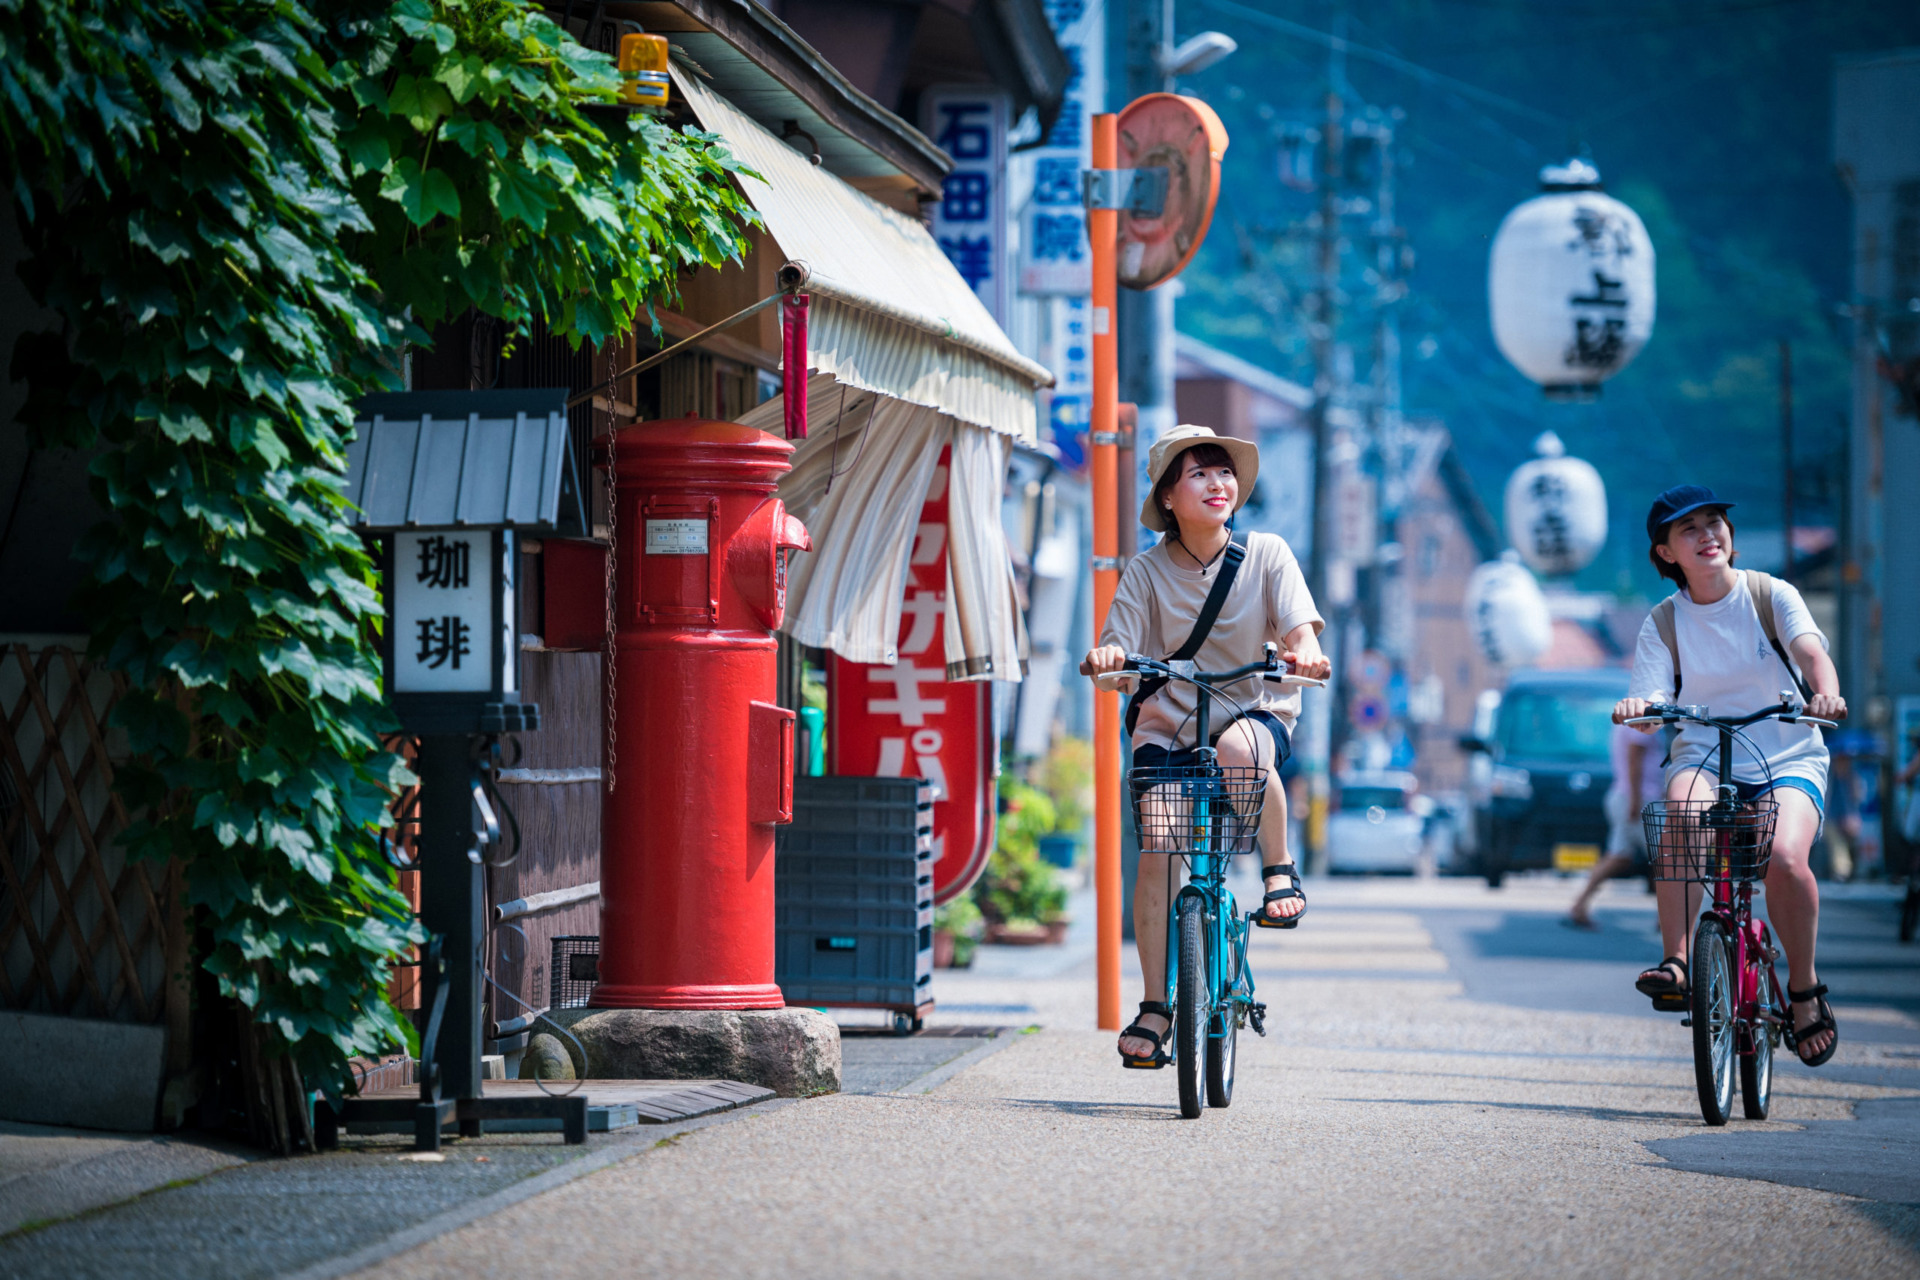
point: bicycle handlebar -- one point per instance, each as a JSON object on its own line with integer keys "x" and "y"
{"x": 1668, "y": 713}
{"x": 1268, "y": 668}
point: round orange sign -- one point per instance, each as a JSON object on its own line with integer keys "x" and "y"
{"x": 1183, "y": 136}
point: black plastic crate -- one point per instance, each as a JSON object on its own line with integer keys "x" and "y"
{"x": 574, "y": 971}
{"x": 853, "y": 893}
{"x": 824, "y": 961}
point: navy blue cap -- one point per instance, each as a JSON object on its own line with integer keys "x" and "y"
{"x": 1677, "y": 502}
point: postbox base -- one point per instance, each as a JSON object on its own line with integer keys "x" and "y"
{"x": 764, "y": 995}
{"x": 795, "y": 1052}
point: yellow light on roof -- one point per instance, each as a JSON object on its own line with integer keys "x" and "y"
{"x": 643, "y": 70}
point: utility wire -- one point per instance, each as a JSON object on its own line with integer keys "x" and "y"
{"x": 1381, "y": 57}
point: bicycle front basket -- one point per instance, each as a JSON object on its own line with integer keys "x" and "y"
{"x": 1193, "y": 809}
{"x": 1710, "y": 839}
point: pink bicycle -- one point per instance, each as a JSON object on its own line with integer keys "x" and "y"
{"x": 1737, "y": 1007}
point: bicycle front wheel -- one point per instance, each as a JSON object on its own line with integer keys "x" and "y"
{"x": 1712, "y": 998}
{"x": 1191, "y": 1007}
{"x": 1220, "y": 1048}
{"x": 1756, "y": 1068}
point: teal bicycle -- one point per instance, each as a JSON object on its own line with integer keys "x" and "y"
{"x": 1203, "y": 813}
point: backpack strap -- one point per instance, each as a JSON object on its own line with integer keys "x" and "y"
{"x": 1760, "y": 587}
{"x": 1663, "y": 623}
{"x": 1210, "y": 611}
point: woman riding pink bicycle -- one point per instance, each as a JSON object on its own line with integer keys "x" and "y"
{"x": 1732, "y": 641}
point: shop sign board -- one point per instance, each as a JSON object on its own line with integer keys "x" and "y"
{"x": 906, "y": 719}
{"x": 969, "y": 123}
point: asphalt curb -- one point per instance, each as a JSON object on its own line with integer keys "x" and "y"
{"x": 647, "y": 1139}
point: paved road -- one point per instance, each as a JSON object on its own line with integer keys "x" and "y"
{"x": 1455, "y": 1086}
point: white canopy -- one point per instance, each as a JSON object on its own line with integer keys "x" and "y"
{"x": 858, "y": 483}
{"x": 889, "y": 312}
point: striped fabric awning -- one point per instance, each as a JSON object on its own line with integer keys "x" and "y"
{"x": 889, "y": 313}
{"x": 858, "y": 483}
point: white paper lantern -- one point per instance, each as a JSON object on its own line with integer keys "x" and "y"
{"x": 1556, "y": 510}
{"x": 1570, "y": 284}
{"x": 1507, "y": 613}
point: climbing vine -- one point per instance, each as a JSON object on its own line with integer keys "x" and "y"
{"x": 232, "y": 207}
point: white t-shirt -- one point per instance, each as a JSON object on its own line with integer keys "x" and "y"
{"x": 1727, "y": 665}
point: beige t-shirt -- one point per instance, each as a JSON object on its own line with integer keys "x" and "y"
{"x": 1154, "y": 611}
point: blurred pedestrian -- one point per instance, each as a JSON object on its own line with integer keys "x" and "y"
{"x": 1637, "y": 761}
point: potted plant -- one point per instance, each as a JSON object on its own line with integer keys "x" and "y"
{"x": 957, "y": 927}
{"x": 1022, "y": 897}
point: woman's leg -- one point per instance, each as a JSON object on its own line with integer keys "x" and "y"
{"x": 1151, "y": 886}
{"x": 1249, "y": 745}
{"x": 1679, "y": 900}
{"x": 1793, "y": 902}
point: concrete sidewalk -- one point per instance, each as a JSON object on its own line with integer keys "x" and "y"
{"x": 1392, "y": 1124}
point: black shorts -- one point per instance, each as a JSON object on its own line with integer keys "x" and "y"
{"x": 1152, "y": 755}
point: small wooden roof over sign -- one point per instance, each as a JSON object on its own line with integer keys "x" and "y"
{"x": 446, "y": 459}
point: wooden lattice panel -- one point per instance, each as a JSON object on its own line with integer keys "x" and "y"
{"x": 83, "y": 930}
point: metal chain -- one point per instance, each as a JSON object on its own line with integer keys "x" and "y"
{"x": 613, "y": 543}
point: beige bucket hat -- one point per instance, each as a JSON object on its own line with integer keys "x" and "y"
{"x": 1246, "y": 466}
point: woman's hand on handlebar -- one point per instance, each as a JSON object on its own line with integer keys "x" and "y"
{"x": 1108, "y": 657}
{"x": 1318, "y": 667}
{"x": 1632, "y": 708}
{"x": 1827, "y": 706}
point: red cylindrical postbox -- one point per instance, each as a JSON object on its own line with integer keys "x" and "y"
{"x": 702, "y": 762}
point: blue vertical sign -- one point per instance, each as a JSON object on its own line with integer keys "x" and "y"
{"x": 1054, "y": 256}
{"x": 969, "y": 123}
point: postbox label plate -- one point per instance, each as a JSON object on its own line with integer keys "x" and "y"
{"x": 677, "y": 537}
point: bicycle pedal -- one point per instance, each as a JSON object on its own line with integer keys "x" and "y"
{"x": 1687, "y": 1021}
{"x": 1257, "y": 1017}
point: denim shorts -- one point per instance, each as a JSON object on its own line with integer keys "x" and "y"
{"x": 1152, "y": 755}
{"x": 1807, "y": 787}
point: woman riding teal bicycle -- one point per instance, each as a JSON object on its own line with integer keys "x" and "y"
{"x": 1732, "y": 641}
{"x": 1170, "y": 603}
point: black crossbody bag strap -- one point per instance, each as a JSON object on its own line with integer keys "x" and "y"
{"x": 1216, "y": 600}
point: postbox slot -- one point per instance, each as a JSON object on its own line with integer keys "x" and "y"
{"x": 770, "y": 758}
{"x": 677, "y": 570}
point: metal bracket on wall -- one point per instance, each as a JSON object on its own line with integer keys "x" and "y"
{"x": 1140, "y": 192}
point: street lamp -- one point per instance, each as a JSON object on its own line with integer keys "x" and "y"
{"x": 1195, "y": 54}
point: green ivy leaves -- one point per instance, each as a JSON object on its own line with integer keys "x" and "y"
{"x": 230, "y": 204}
{"x": 498, "y": 180}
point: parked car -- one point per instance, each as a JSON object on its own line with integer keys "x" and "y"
{"x": 1538, "y": 793}
{"x": 1379, "y": 823}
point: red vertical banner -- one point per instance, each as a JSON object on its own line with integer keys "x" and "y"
{"x": 907, "y": 719}
{"x": 793, "y": 364}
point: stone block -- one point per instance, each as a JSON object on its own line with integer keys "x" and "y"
{"x": 795, "y": 1052}
{"x": 83, "y": 1071}
{"x": 547, "y": 1059}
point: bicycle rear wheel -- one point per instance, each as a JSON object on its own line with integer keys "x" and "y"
{"x": 1756, "y": 1068}
{"x": 1191, "y": 1006}
{"x": 1220, "y": 1049}
{"x": 1712, "y": 999}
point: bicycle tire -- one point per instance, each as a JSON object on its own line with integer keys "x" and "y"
{"x": 1910, "y": 912}
{"x": 1711, "y": 1000}
{"x": 1221, "y": 1050}
{"x": 1756, "y": 1068}
{"x": 1190, "y": 1006}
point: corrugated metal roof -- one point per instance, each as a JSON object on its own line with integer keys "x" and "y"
{"x": 433, "y": 459}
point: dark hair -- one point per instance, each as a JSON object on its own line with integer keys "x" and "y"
{"x": 1673, "y": 572}
{"x": 1199, "y": 455}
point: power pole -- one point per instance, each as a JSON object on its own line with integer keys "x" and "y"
{"x": 1324, "y": 345}
{"x": 1146, "y": 318}
{"x": 1786, "y": 457}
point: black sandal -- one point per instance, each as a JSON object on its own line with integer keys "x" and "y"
{"x": 1823, "y": 1021}
{"x": 1158, "y": 1058}
{"x": 1668, "y": 996}
{"x": 1292, "y": 872}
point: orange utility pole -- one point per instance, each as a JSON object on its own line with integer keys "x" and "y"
{"x": 1102, "y": 231}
